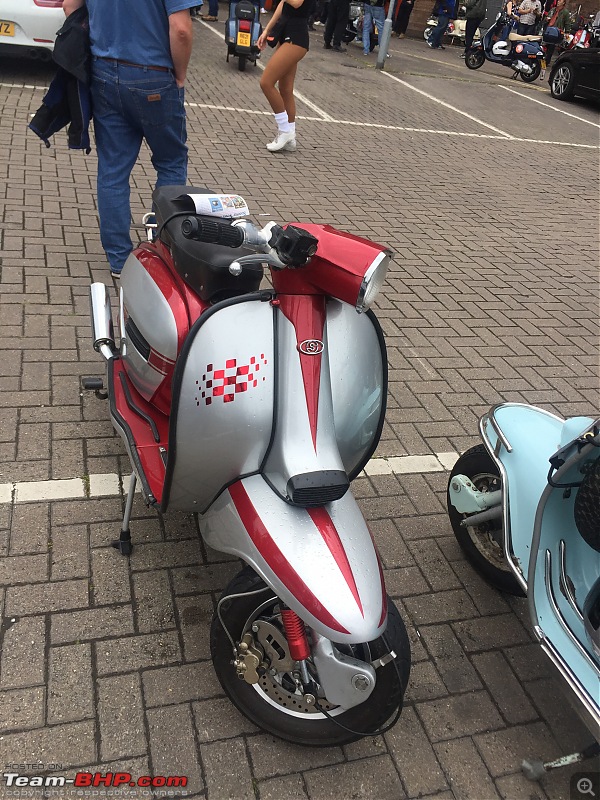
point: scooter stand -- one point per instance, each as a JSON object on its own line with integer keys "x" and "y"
{"x": 123, "y": 543}
{"x": 535, "y": 769}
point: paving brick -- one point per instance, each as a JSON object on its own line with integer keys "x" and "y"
{"x": 468, "y": 776}
{"x": 69, "y": 556}
{"x": 392, "y": 550}
{"x": 272, "y": 756}
{"x": 209, "y": 578}
{"x": 23, "y": 569}
{"x": 485, "y": 599}
{"x": 121, "y": 717}
{"x": 22, "y": 658}
{"x": 405, "y": 581}
{"x": 424, "y": 683}
{"x": 172, "y": 745}
{"x": 414, "y": 756}
{"x": 22, "y": 708}
{"x": 433, "y": 565}
{"x": 440, "y": 607}
{"x": 161, "y": 555}
{"x": 110, "y": 577}
{"x": 504, "y": 750}
{"x": 459, "y": 715}
{"x": 137, "y": 652}
{"x": 518, "y": 785}
{"x": 219, "y": 719}
{"x": 195, "y": 615}
{"x": 490, "y": 633}
{"x": 96, "y": 623}
{"x": 70, "y": 691}
{"x": 153, "y": 604}
{"x": 228, "y": 775}
{"x": 69, "y": 745}
{"x": 501, "y": 682}
{"x": 41, "y": 597}
{"x": 180, "y": 684}
{"x": 365, "y": 779}
{"x": 291, "y": 787}
{"x": 30, "y": 529}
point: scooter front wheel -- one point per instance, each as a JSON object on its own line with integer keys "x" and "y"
{"x": 251, "y": 613}
{"x": 482, "y": 544}
{"x": 475, "y": 59}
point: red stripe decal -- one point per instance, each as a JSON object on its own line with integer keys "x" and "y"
{"x": 307, "y": 315}
{"x": 275, "y": 558}
{"x": 159, "y": 362}
{"x": 331, "y": 537}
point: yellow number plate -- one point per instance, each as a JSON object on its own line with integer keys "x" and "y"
{"x": 7, "y": 28}
{"x": 543, "y": 63}
{"x": 243, "y": 39}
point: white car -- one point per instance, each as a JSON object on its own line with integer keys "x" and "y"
{"x": 30, "y": 24}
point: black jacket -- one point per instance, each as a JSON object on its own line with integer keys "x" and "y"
{"x": 68, "y": 100}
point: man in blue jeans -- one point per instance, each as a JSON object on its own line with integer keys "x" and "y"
{"x": 140, "y": 54}
{"x": 445, "y": 12}
{"x": 374, "y": 15}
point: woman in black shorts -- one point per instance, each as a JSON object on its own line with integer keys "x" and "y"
{"x": 287, "y": 30}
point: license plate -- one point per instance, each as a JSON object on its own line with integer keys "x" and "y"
{"x": 543, "y": 63}
{"x": 7, "y": 28}
{"x": 243, "y": 39}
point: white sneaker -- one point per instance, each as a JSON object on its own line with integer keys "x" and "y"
{"x": 283, "y": 141}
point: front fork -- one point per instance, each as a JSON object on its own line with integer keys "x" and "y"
{"x": 343, "y": 680}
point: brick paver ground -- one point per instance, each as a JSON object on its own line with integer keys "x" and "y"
{"x": 104, "y": 664}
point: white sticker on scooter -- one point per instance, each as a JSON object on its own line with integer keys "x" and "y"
{"x": 226, "y": 206}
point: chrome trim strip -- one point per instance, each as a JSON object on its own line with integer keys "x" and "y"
{"x": 564, "y": 582}
{"x": 498, "y": 431}
{"x": 558, "y": 614}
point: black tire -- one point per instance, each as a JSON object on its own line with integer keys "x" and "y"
{"x": 534, "y": 75}
{"x": 482, "y": 545}
{"x": 268, "y": 704}
{"x": 427, "y": 32}
{"x": 562, "y": 81}
{"x": 475, "y": 59}
{"x": 242, "y": 63}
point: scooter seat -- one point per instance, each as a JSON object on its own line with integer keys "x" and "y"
{"x": 516, "y": 37}
{"x": 204, "y": 267}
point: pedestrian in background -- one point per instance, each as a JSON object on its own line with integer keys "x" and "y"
{"x": 475, "y": 14}
{"x": 319, "y": 15}
{"x": 287, "y": 30}
{"x": 139, "y": 66}
{"x": 529, "y": 12}
{"x": 402, "y": 17}
{"x": 445, "y": 11}
{"x": 213, "y": 11}
{"x": 373, "y": 15}
{"x": 337, "y": 21}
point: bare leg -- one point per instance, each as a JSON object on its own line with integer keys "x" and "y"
{"x": 281, "y": 66}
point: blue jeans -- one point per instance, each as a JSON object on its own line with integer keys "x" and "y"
{"x": 374, "y": 15}
{"x": 438, "y": 31}
{"x": 213, "y": 8}
{"x": 131, "y": 104}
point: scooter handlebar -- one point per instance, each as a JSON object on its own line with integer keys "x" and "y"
{"x": 212, "y": 232}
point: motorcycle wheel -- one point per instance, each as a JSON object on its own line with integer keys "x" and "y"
{"x": 483, "y": 545}
{"x": 427, "y": 33}
{"x": 475, "y": 59}
{"x": 242, "y": 63}
{"x": 274, "y": 703}
{"x": 537, "y": 68}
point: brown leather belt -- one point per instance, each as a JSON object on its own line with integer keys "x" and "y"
{"x": 131, "y": 64}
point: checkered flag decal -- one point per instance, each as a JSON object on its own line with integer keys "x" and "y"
{"x": 233, "y": 379}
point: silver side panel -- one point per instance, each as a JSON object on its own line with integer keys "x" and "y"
{"x": 150, "y": 311}
{"x": 293, "y": 451}
{"x": 324, "y": 567}
{"x": 357, "y": 388}
{"x": 225, "y": 405}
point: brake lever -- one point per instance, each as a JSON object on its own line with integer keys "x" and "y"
{"x": 236, "y": 267}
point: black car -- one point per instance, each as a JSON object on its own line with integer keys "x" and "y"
{"x": 576, "y": 72}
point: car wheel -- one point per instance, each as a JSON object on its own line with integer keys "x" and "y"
{"x": 562, "y": 82}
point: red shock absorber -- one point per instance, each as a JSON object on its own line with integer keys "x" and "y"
{"x": 296, "y": 635}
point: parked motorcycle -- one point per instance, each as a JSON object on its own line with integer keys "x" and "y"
{"x": 242, "y": 30}
{"x": 354, "y": 28}
{"x": 523, "y": 54}
{"x": 255, "y": 408}
{"x": 456, "y": 29}
{"x": 525, "y": 509}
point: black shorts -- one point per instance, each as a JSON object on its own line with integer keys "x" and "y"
{"x": 295, "y": 31}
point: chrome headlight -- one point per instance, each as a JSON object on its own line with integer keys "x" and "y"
{"x": 373, "y": 281}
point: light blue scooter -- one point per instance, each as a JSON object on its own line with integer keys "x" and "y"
{"x": 525, "y": 509}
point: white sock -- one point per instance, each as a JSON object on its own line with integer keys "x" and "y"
{"x": 282, "y": 122}
{"x": 292, "y": 127}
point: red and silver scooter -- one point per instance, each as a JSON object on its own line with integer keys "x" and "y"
{"x": 256, "y": 407}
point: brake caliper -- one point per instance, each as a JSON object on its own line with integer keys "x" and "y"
{"x": 248, "y": 660}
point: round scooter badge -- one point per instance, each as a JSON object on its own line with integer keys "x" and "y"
{"x": 311, "y": 347}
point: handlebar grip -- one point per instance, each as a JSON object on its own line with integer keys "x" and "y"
{"x": 212, "y": 232}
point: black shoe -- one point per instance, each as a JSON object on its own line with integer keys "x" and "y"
{"x": 326, "y": 45}
{"x": 311, "y": 28}
{"x": 339, "y": 49}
